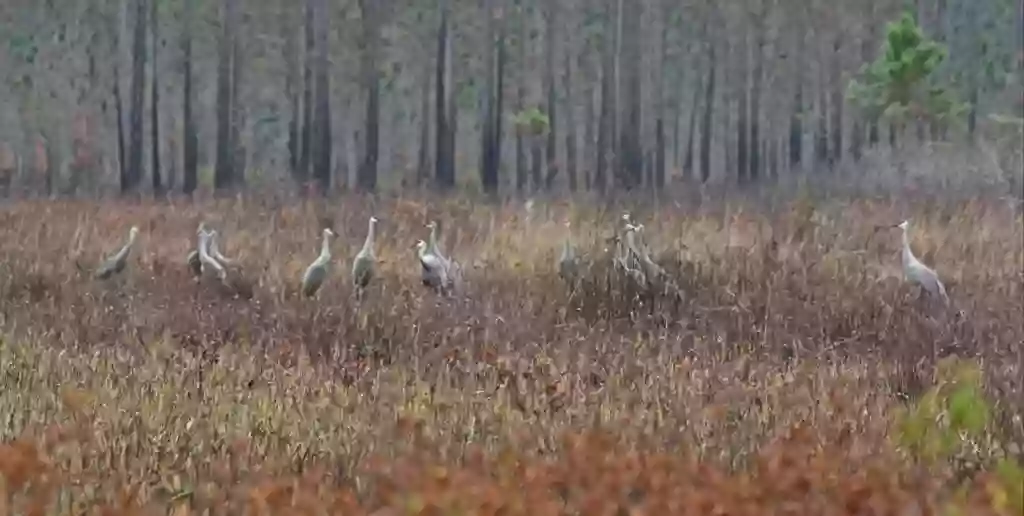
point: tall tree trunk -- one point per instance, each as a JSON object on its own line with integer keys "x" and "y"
{"x": 423, "y": 157}
{"x": 660, "y": 105}
{"x": 631, "y": 168}
{"x": 757, "y": 155}
{"x": 488, "y": 167}
{"x": 606, "y": 117}
{"x": 321, "y": 158}
{"x": 836, "y": 132}
{"x": 551, "y": 151}
{"x": 796, "y": 116}
{"x": 521, "y": 166}
{"x": 445, "y": 166}
{"x": 371, "y": 81}
{"x": 498, "y": 135}
{"x": 821, "y": 154}
{"x": 590, "y": 136}
{"x": 133, "y": 175}
{"x": 223, "y": 176}
{"x": 122, "y": 165}
{"x": 698, "y": 87}
{"x": 306, "y": 134}
{"x": 742, "y": 115}
{"x": 571, "y": 166}
{"x": 292, "y": 82}
{"x": 238, "y": 155}
{"x": 190, "y": 137}
{"x": 709, "y": 108}
{"x": 154, "y": 106}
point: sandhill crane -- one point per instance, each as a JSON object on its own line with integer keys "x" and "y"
{"x": 432, "y": 246}
{"x": 452, "y": 268}
{"x": 653, "y": 271}
{"x": 208, "y": 263}
{"x": 434, "y": 272}
{"x": 568, "y": 261}
{"x": 365, "y": 263}
{"x": 115, "y": 264}
{"x": 917, "y": 272}
{"x": 316, "y": 273}
{"x": 194, "y": 265}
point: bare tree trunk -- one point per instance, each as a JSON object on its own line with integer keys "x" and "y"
{"x": 606, "y": 118}
{"x": 190, "y": 137}
{"x": 551, "y": 152}
{"x": 836, "y": 131}
{"x": 122, "y": 165}
{"x": 321, "y": 158}
{"x": 306, "y": 134}
{"x": 371, "y": 80}
{"x": 742, "y": 115}
{"x": 292, "y": 81}
{"x": 223, "y": 176}
{"x": 757, "y": 155}
{"x": 423, "y": 158}
{"x": 521, "y": 167}
{"x": 498, "y": 135}
{"x": 571, "y": 166}
{"x": 709, "y": 108}
{"x": 796, "y": 123}
{"x": 154, "y": 106}
{"x": 698, "y": 87}
{"x": 488, "y": 166}
{"x": 445, "y": 166}
{"x": 632, "y": 165}
{"x": 238, "y": 156}
{"x": 659, "y": 103}
{"x": 133, "y": 175}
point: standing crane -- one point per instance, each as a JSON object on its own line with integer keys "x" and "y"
{"x": 194, "y": 264}
{"x": 116, "y": 263}
{"x": 434, "y": 272}
{"x": 568, "y": 261}
{"x": 917, "y": 272}
{"x": 207, "y": 262}
{"x": 365, "y": 263}
{"x": 316, "y": 273}
{"x": 452, "y": 269}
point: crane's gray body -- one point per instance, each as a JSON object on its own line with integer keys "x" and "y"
{"x": 117, "y": 263}
{"x": 365, "y": 263}
{"x": 317, "y": 271}
{"x": 434, "y": 273}
{"x": 568, "y": 261}
{"x": 916, "y": 272}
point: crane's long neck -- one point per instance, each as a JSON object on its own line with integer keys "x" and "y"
{"x": 368, "y": 243}
{"x": 325, "y": 250}
{"x": 908, "y": 255}
{"x": 123, "y": 253}
{"x": 432, "y": 245}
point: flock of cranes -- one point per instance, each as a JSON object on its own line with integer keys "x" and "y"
{"x": 443, "y": 274}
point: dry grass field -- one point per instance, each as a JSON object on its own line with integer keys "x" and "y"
{"x": 797, "y": 375}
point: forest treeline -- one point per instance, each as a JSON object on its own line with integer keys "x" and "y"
{"x": 505, "y": 96}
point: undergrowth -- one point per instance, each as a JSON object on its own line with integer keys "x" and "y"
{"x": 796, "y": 373}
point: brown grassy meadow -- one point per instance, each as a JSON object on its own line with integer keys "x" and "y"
{"x": 776, "y": 386}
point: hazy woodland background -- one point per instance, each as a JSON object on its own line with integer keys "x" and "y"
{"x": 173, "y": 95}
